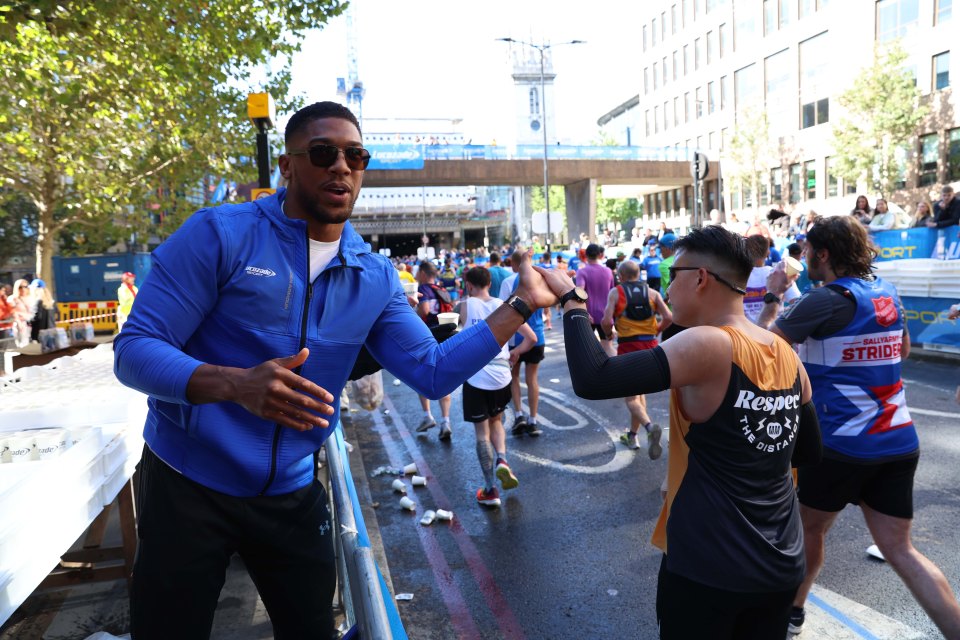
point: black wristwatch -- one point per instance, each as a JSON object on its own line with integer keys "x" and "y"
{"x": 577, "y": 293}
{"x": 517, "y": 304}
{"x": 770, "y": 298}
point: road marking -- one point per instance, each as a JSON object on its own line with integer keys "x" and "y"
{"x": 936, "y": 414}
{"x": 830, "y": 615}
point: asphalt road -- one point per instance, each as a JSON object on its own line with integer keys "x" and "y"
{"x": 568, "y": 553}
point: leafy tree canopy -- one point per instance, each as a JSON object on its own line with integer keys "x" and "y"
{"x": 108, "y": 105}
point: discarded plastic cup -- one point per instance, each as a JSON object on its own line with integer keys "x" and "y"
{"x": 410, "y": 468}
{"x": 399, "y": 486}
{"x": 408, "y": 504}
{"x": 428, "y": 517}
{"x": 443, "y": 514}
{"x": 403, "y": 596}
{"x": 418, "y": 481}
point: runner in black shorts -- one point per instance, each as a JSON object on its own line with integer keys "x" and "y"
{"x": 886, "y": 487}
{"x": 534, "y": 356}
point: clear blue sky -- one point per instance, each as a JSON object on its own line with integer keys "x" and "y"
{"x": 440, "y": 59}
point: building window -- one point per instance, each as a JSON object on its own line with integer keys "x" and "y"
{"x": 723, "y": 39}
{"x": 665, "y": 74}
{"x": 653, "y": 32}
{"x": 656, "y": 75}
{"x": 697, "y": 53}
{"x": 744, "y": 21}
{"x": 686, "y": 59}
{"x": 941, "y": 71}
{"x": 723, "y": 139}
{"x": 534, "y": 102}
{"x": 807, "y": 7}
{"x": 929, "y": 154}
{"x": 699, "y": 105}
{"x": 900, "y": 160}
{"x": 676, "y": 59}
{"x": 794, "y": 183}
{"x": 646, "y": 80}
{"x": 685, "y": 10}
{"x": 711, "y": 97}
{"x": 953, "y": 155}
{"x": 810, "y": 173}
{"x": 776, "y": 184}
{"x": 785, "y": 12}
{"x": 896, "y": 18}
{"x": 711, "y": 47}
{"x": 769, "y": 17}
{"x": 656, "y": 119}
{"x": 710, "y": 139}
{"x": 666, "y": 116}
{"x": 814, "y": 61}
{"x": 746, "y": 89}
{"x": 778, "y": 90}
{"x": 646, "y": 120}
{"x": 676, "y": 113}
{"x": 833, "y": 183}
{"x": 943, "y": 12}
{"x": 673, "y": 19}
{"x": 645, "y": 34}
{"x": 663, "y": 26}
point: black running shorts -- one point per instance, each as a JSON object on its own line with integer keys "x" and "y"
{"x": 886, "y": 487}
{"x": 482, "y": 404}
{"x": 534, "y": 356}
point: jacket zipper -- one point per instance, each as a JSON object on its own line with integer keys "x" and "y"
{"x": 303, "y": 342}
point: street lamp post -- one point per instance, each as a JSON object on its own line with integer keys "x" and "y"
{"x": 541, "y": 48}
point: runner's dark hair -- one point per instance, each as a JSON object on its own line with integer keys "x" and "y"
{"x": 851, "y": 251}
{"x": 728, "y": 248}
{"x": 478, "y": 277}
{"x": 316, "y": 111}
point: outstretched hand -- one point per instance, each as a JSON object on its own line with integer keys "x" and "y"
{"x": 532, "y": 288}
{"x": 558, "y": 281}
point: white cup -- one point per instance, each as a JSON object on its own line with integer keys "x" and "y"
{"x": 4, "y": 449}
{"x": 21, "y": 446}
{"x": 49, "y": 443}
{"x": 399, "y": 486}
{"x": 448, "y": 318}
{"x": 418, "y": 481}
{"x": 428, "y": 517}
{"x": 410, "y": 288}
{"x": 410, "y": 468}
{"x": 443, "y": 514}
{"x": 408, "y": 504}
{"x": 792, "y": 266}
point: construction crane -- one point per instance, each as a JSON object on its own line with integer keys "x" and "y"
{"x": 351, "y": 88}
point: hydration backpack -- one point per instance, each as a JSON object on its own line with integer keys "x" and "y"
{"x": 637, "y": 296}
{"x": 444, "y": 301}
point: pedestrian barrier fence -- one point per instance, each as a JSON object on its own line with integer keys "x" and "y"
{"x": 370, "y": 611}
{"x": 102, "y": 314}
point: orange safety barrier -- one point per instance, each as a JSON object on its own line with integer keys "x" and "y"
{"x": 103, "y": 314}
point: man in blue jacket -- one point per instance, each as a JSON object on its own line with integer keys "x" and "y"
{"x": 244, "y": 335}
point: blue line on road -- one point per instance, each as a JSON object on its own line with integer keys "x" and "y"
{"x": 839, "y": 615}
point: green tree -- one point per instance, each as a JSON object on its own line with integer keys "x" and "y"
{"x": 18, "y": 218}
{"x": 112, "y": 105}
{"x": 882, "y": 114}
{"x": 620, "y": 210}
{"x": 751, "y": 151}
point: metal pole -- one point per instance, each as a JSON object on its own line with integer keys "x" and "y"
{"x": 543, "y": 118}
{"x": 696, "y": 189}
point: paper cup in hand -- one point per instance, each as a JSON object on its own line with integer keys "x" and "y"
{"x": 792, "y": 266}
{"x": 410, "y": 288}
{"x": 448, "y": 318}
{"x": 408, "y": 504}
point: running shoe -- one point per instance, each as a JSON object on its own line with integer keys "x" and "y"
{"x": 445, "y": 432}
{"x": 488, "y": 498}
{"x": 533, "y": 430}
{"x": 427, "y": 423}
{"x": 629, "y": 438}
{"x": 654, "y": 449}
{"x": 505, "y": 476}
{"x": 797, "y": 617}
{"x": 519, "y": 427}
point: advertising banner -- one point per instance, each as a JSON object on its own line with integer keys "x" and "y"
{"x": 395, "y": 156}
{"x": 927, "y": 321}
{"x": 907, "y": 244}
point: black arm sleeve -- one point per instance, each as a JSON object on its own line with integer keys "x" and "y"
{"x": 597, "y": 376}
{"x": 809, "y": 447}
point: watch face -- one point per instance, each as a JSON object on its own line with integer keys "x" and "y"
{"x": 581, "y": 293}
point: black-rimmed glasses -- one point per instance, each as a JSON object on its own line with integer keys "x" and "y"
{"x": 673, "y": 272}
{"x": 325, "y": 155}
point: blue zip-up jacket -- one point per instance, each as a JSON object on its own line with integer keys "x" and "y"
{"x": 231, "y": 288}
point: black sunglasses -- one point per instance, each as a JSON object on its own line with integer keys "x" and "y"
{"x": 673, "y": 273}
{"x": 325, "y": 155}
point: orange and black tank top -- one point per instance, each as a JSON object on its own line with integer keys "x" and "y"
{"x": 731, "y": 518}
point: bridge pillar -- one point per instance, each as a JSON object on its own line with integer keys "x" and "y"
{"x": 581, "y": 200}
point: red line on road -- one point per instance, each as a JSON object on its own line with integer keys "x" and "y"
{"x": 498, "y": 604}
{"x": 456, "y": 605}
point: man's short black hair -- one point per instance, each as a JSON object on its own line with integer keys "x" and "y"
{"x": 316, "y": 111}
{"x": 728, "y": 248}
{"x": 758, "y": 247}
{"x": 494, "y": 257}
{"x": 794, "y": 249}
{"x": 478, "y": 277}
{"x": 594, "y": 250}
{"x": 428, "y": 267}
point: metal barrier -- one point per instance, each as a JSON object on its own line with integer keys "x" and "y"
{"x": 102, "y": 314}
{"x": 361, "y": 586}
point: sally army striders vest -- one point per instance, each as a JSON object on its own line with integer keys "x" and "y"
{"x": 731, "y": 519}
{"x": 855, "y": 374}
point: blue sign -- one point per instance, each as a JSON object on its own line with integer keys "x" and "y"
{"x": 396, "y": 156}
{"x": 927, "y": 321}
{"x": 907, "y": 244}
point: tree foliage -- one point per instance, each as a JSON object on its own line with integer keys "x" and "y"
{"x": 882, "y": 114}
{"x": 751, "y": 151}
{"x": 620, "y": 210}
{"x": 18, "y": 218}
{"x": 110, "y": 106}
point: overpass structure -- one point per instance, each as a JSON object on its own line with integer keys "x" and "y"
{"x": 580, "y": 170}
